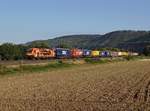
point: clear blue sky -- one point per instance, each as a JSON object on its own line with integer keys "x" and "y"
{"x": 26, "y": 20}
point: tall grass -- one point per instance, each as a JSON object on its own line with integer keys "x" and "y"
{"x": 96, "y": 60}
{"x": 32, "y": 68}
{"x": 59, "y": 64}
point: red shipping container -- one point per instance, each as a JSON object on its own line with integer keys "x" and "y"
{"x": 76, "y": 53}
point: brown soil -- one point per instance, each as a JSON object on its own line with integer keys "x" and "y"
{"x": 113, "y": 86}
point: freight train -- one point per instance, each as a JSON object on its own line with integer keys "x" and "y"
{"x": 59, "y": 53}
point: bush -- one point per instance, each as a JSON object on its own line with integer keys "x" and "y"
{"x": 10, "y": 51}
{"x": 96, "y": 60}
{"x": 146, "y": 51}
{"x": 129, "y": 58}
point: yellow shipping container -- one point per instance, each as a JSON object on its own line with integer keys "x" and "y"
{"x": 95, "y": 53}
{"x": 123, "y": 53}
{"x": 119, "y": 53}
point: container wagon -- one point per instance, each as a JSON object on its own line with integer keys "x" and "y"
{"x": 86, "y": 53}
{"x": 105, "y": 54}
{"x": 113, "y": 54}
{"x": 133, "y": 54}
{"x": 76, "y": 53}
{"x": 95, "y": 53}
{"x": 125, "y": 54}
{"x": 62, "y": 53}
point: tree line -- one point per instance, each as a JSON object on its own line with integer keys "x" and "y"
{"x": 9, "y": 51}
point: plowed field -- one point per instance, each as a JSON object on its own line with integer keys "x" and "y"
{"x": 112, "y": 86}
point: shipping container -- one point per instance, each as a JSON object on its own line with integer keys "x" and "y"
{"x": 119, "y": 53}
{"x": 133, "y": 54}
{"x": 62, "y": 53}
{"x": 40, "y": 53}
{"x": 114, "y": 54}
{"x": 105, "y": 54}
{"x": 86, "y": 53}
{"x": 95, "y": 53}
{"x": 76, "y": 53}
{"x": 123, "y": 53}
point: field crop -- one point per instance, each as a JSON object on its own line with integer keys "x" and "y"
{"x": 111, "y": 86}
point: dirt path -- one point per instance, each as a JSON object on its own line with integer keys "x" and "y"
{"x": 114, "y": 86}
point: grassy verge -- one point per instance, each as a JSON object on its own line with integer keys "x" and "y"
{"x": 129, "y": 58}
{"x": 48, "y": 67}
{"x": 116, "y": 59}
{"x": 61, "y": 64}
{"x": 32, "y": 68}
{"x": 97, "y": 60}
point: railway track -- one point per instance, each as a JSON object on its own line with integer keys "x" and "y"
{"x": 37, "y": 62}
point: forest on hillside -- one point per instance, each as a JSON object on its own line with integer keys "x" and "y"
{"x": 138, "y": 41}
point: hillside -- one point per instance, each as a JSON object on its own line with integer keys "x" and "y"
{"x": 79, "y": 41}
{"x": 119, "y": 39}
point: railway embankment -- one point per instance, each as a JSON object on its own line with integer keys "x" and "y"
{"x": 31, "y": 66}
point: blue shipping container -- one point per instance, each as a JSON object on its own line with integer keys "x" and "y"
{"x": 105, "y": 54}
{"x": 86, "y": 53}
{"x": 62, "y": 53}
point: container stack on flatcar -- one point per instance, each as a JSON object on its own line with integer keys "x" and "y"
{"x": 62, "y": 53}
{"x": 105, "y": 54}
{"x": 95, "y": 53}
{"x": 86, "y": 53}
{"x": 123, "y": 54}
{"x": 113, "y": 54}
{"x": 76, "y": 53}
{"x": 133, "y": 54}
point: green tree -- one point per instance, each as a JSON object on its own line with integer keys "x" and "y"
{"x": 9, "y": 51}
{"x": 63, "y": 45}
{"x": 23, "y": 50}
{"x": 39, "y": 45}
{"x": 146, "y": 51}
